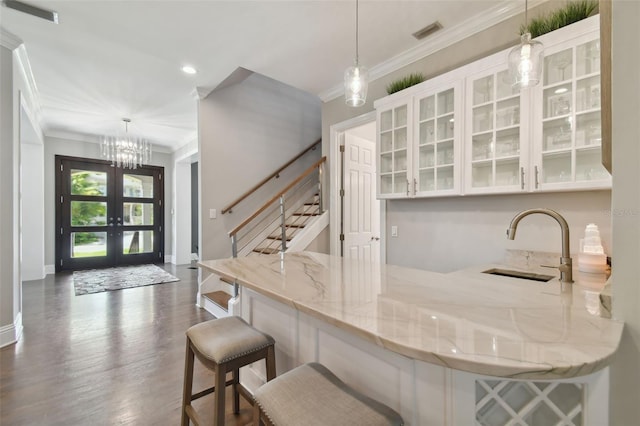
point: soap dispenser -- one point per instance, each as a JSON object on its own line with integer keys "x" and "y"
{"x": 592, "y": 258}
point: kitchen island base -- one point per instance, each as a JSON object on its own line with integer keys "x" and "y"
{"x": 423, "y": 393}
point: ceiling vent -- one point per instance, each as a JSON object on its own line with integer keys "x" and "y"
{"x": 428, "y": 30}
{"x": 49, "y": 15}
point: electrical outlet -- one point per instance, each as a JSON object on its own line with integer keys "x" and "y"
{"x": 394, "y": 231}
{"x": 213, "y": 213}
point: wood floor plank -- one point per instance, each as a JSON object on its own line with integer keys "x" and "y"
{"x": 112, "y": 358}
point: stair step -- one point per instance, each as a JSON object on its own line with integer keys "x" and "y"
{"x": 278, "y": 238}
{"x": 306, "y": 214}
{"x": 226, "y": 280}
{"x": 220, "y": 298}
{"x": 266, "y": 250}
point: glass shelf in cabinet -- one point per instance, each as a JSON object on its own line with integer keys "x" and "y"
{"x": 386, "y": 121}
{"x": 481, "y": 174}
{"x": 507, "y": 172}
{"x": 427, "y": 132}
{"x": 445, "y": 127}
{"x": 444, "y": 179}
{"x": 589, "y": 165}
{"x": 483, "y": 90}
{"x": 400, "y": 183}
{"x": 445, "y": 101}
{"x": 558, "y": 101}
{"x": 556, "y": 167}
{"x": 427, "y": 180}
{"x": 400, "y": 116}
{"x": 482, "y": 118}
{"x": 427, "y": 108}
{"x": 400, "y": 138}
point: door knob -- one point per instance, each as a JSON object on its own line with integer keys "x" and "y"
{"x": 375, "y": 238}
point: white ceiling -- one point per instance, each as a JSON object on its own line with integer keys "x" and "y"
{"x": 108, "y": 59}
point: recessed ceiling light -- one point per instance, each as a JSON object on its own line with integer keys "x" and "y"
{"x": 188, "y": 69}
{"x": 561, "y": 90}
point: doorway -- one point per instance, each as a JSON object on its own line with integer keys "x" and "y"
{"x": 107, "y": 216}
{"x": 356, "y": 211}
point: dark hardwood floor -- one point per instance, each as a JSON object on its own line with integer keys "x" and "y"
{"x": 112, "y": 358}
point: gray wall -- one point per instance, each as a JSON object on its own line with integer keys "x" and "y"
{"x": 449, "y": 234}
{"x": 56, "y": 146}
{"x": 625, "y": 371}
{"x": 246, "y": 132}
{"x": 8, "y": 233}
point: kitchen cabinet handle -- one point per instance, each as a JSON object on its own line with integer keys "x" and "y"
{"x": 536, "y": 169}
{"x": 522, "y": 178}
{"x": 407, "y": 187}
{"x": 415, "y": 186}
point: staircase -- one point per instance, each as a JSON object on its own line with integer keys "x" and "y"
{"x": 289, "y": 221}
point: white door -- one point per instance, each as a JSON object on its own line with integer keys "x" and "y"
{"x": 361, "y": 221}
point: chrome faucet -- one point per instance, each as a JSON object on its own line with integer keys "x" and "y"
{"x": 566, "y": 275}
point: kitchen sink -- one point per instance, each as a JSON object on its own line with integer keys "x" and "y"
{"x": 519, "y": 274}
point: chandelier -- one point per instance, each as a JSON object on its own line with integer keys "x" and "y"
{"x": 126, "y": 151}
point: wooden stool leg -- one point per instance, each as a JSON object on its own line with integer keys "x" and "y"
{"x": 271, "y": 363}
{"x": 236, "y": 391}
{"x": 256, "y": 414}
{"x": 188, "y": 383}
{"x": 221, "y": 379}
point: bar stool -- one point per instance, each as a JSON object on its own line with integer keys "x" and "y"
{"x": 311, "y": 395}
{"x": 223, "y": 345}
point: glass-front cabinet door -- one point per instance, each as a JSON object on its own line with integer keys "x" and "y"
{"x": 496, "y": 152}
{"x": 568, "y": 124}
{"x": 394, "y": 133}
{"x": 437, "y": 153}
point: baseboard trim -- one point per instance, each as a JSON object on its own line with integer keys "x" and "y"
{"x": 167, "y": 259}
{"x": 10, "y": 334}
{"x": 49, "y": 269}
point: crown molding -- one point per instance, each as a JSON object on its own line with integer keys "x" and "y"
{"x": 9, "y": 40}
{"x": 31, "y": 89}
{"x": 492, "y": 16}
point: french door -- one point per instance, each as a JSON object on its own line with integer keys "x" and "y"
{"x": 107, "y": 216}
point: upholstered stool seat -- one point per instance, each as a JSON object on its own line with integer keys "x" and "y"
{"x": 311, "y": 395}
{"x": 223, "y": 345}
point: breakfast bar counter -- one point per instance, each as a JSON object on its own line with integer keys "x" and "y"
{"x": 427, "y": 334}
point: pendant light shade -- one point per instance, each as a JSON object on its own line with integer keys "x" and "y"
{"x": 356, "y": 82}
{"x": 525, "y": 60}
{"x": 356, "y": 78}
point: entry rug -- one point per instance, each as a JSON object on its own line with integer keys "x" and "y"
{"x": 111, "y": 279}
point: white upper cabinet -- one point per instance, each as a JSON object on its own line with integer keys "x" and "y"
{"x": 495, "y": 143}
{"x": 394, "y": 153}
{"x": 437, "y": 153}
{"x": 419, "y": 136}
{"x": 470, "y": 132}
{"x": 567, "y": 129}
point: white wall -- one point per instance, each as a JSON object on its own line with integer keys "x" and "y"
{"x": 246, "y": 131}
{"x": 625, "y": 371}
{"x": 56, "y": 146}
{"x": 32, "y": 181}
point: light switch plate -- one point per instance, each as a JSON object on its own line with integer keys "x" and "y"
{"x": 394, "y": 231}
{"x": 213, "y": 213}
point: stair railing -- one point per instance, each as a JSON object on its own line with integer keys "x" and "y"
{"x": 310, "y": 179}
{"x": 275, "y": 210}
{"x": 276, "y": 175}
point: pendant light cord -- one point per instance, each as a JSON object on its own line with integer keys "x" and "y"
{"x": 526, "y": 10}
{"x": 356, "y": 32}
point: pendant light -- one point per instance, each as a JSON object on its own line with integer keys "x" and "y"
{"x": 126, "y": 151}
{"x": 356, "y": 78}
{"x": 525, "y": 60}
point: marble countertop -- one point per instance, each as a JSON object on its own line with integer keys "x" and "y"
{"x": 465, "y": 320}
